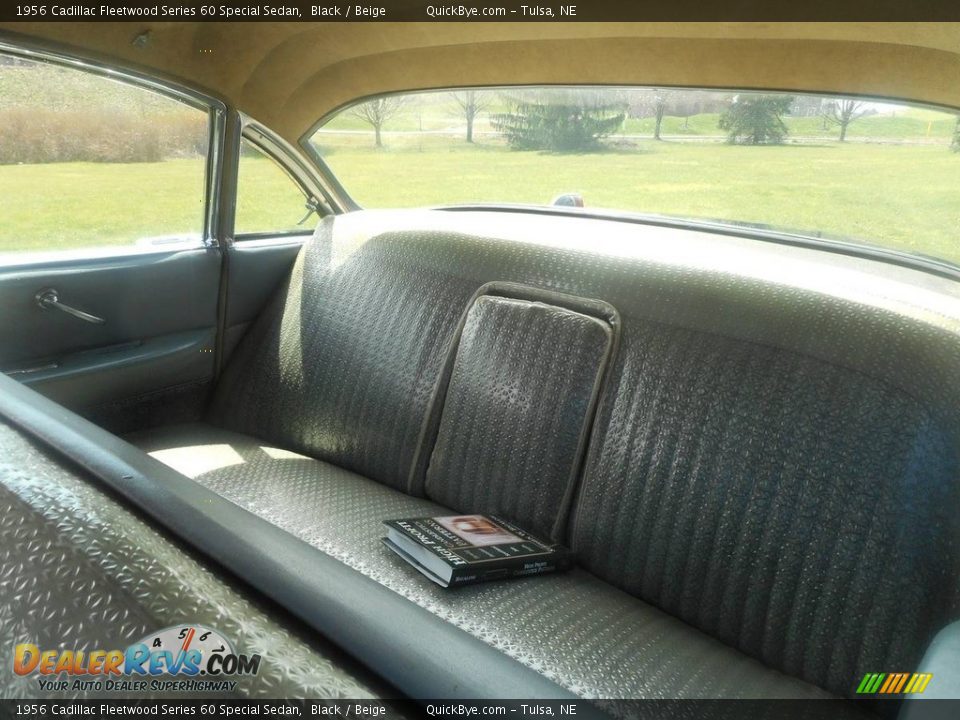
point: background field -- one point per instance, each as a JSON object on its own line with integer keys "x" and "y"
{"x": 906, "y": 197}
{"x": 905, "y": 124}
{"x": 70, "y": 205}
{"x": 913, "y": 202}
{"x": 894, "y": 183}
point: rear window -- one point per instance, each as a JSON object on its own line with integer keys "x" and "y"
{"x": 858, "y": 169}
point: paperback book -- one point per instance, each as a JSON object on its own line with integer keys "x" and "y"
{"x": 464, "y": 549}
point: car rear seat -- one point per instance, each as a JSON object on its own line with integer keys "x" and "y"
{"x": 78, "y": 569}
{"x": 767, "y": 500}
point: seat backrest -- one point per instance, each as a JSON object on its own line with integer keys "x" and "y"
{"x": 775, "y": 454}
{"x": 513, "y": 419}
{"x": 800, "y": 511}
{"x": 343, "y": 363}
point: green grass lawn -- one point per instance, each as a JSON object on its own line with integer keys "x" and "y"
{"x": 71, "y": 205}
{"x": 906, "y": 196}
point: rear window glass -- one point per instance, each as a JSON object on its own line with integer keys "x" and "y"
{"x": 866, "y": 170}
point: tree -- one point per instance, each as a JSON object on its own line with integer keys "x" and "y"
{"x": 843, "y": 112}
{"x": 376, "y": 112}
{"x": 560, "y": 120}
{"x": 955, "y": 145}
{"x": 756, "y": 119}
{"x": 660, "y": 101}
{"x": 471, "y": 103}
{"x": 807, "y": 106}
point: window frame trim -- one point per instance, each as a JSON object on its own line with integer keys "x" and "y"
{"x": 293, "y": 165}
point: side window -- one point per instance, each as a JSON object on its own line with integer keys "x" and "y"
{"x": 89, "y": 162}
{"x": 268, "y": 200}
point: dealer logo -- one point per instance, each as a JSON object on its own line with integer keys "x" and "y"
{"x": 894, "y": 683}
{"x": 184, "y": 658}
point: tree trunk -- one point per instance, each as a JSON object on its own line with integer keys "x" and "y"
{"x": 843, "y": 131}
{"x": 376, "y": 131}
{"x": 659, "y": 122}
{"x": 469, "y": 128}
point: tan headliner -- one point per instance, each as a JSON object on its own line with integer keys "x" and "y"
{"x": 287, "y": 75}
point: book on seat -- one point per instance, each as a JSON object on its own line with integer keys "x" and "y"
{"x": 464, "y": 549}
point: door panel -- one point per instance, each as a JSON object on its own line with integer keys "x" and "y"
{"x": 110, "y": 192}
{"x": 119, "y": 372}
{"x": 159, "y": 312}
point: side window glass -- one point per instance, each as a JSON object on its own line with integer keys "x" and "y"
{"x": 90, "y": 162}
{"x": 268, "y": 200}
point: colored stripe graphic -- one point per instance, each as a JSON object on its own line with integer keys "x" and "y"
{"x": 913, "y": 681}
{"x": 187, "y": 640}
{"x": 900, "y": 682}
{"x": 891, "y": 679}
{"x": 893, "y": 683}
{"x": 922, "y": 682}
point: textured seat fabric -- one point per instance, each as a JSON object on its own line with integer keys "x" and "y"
{"x": 798, "y": 511}
{"x": 78, "y": 570}
{"x": 774, "y": 459}
{"x": 584, "y": 634}
{"x": 330, "y": 350}
{"x": 515, "y": 413}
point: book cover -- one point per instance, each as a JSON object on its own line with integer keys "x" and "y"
{"x": 463, "y": 549}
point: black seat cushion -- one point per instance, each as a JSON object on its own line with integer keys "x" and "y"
{"x": 514, "y": 416}
{"x": 581, "y": 632}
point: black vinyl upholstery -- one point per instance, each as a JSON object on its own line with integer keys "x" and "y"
{"x": 361, "y": 365}
{"x": 352, "y": 610}
{"x": 586, "y": 635}
{"x": 792, "y": 508}
{"x": 516, "y": 411}
{"x": 775, "y": 456}
{"x": 79, "y": 570}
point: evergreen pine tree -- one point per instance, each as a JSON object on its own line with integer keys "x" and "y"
{"x": 559, "y": 121}
{"x": 756, "y": 119}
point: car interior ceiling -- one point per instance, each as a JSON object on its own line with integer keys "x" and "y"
{"x": 752, "y": 448}
{"x": 289, "y": 75}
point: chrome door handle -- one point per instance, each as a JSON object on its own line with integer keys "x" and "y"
{"x": 50, "y": 298}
